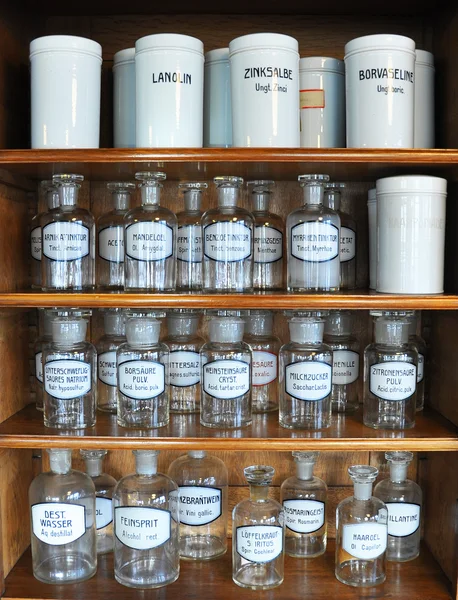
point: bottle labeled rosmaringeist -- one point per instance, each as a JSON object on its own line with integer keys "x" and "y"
{"x": 420, "y": 345}
{"x": 52, "y": 200}
{"x": 107, "y": 373}
{"x": 44, "y": 338}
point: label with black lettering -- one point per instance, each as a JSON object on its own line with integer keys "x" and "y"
{"x": 304, "y": 516}
{"x": 65, "y": 242}
{"x": 264, "y": 368}
{"x": 403, "y": 518}
{"x": 199, "y": 505}
{"x": 308, "y": 380}
{"x": 58, "y": 523}
{"x": 67, "y": 379}
{"x": 111, "y": 243}
{"x": 347, "y": 244}
{"x": 226, "y": 379}
{"x": 103, "y": 512}
{"x": 420, "y": 368}
{"x": 227, "y": 241}
{"x": 106, "y": 367}
{"x": 184, "y": 368}
{"x": 314, "y": 241}
{"x": 259, "y": 543}
{"x": 268, "y": 244}
{"x": 149, "y": 241}
{"x": 269, "y": 79}
{"x": 394, "y": 380}
{"x": 389, "y": 80}
{"x": 35, "y": 243}
{"x": 141, "y": 379}
{"x": 345, "y": 367}
{"x": 142, "y": 528}
{"x": 365, "y": 540}
{"x": 39, "y": 366}
{"x": 189, "y": 243}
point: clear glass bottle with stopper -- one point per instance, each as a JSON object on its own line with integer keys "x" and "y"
{"x": 62, "y": 516}
{"x": 202, "y": 487}
{"x": 313, "y": 234}
{"x": 420, "y": 345}
{"x": 361, "y": 532}
{"x": 403, "y": 499}
{"x": 304, "y": 499}
{"x": 107, "y": 373}
{"x": 52, "y": 201}
{"x": 146, "y": 526}
{"x": 258, "y": 534}
{"x": 104, "y": 486}
{"x": 44, "y": 338}
{"x": 150, "y": 240}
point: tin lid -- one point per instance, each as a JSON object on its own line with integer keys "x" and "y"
{"x": 124, "y": 56}
{"x": 411, "y": 184}
{"x": 218, "y": 55}
{"x": 372, "y": 196}
{"x": 381, "y": 41}
{"x": 424, "y": 58}
{"x": 322, "y": 63}
{"x": 65, "y": 43}
{"x": 265, "y": 41}
{"x": 175, "y": 41}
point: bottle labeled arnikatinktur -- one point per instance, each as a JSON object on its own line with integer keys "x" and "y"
{"x": 304, "y": 499}
{"x": 107, "y": 372}
{"x": 403, "y": 499}
{"x": 361, "y": 532}
{"x": 62, "y": 517}
{"x": 150, "y": 240}
{"x": 258, "y": 547}
{"x": 44, "y": 338}
{"x": 420, "y": 345}
{"x": 228, "y": 241}
{"x": 68, "y": 240}
{"x": 146, "y": 526}
{"x": 52, "y": 199}
{"x": 202, "y": 487}
{"x": 104, "y": 486}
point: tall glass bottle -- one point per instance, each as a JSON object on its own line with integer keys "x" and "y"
{"x": 150, "y": 240}
{"x": 361, "y": 532}
{"x": 304, "y": 499}
{"x": 52, "y": 200}
{"x": 403, "y": 499}
{"x": 44, "y": 338}
{"x": 313, "y": 234}
{"x": 62, "y": 518}
{"x": 202, "y": 487}
{"x": 107, "y": 373}
{"x": 228, "y": 241}
{"x": 68, "y": 240}
{"x": 259, "y": 534}
{"x": 420, "y": 345}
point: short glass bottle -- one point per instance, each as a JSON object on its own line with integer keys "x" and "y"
{"x": 62, "y": 515}
{"x": 345, "y": 361}
{"x": 107, "y": 372}
{"x": 420, "y": 345}
{"x": 146, "y": 526}
{"x": 189, "y": 237}
{"x": 264, "y": 367}
{"x": 403, "y": 499}
{"x": 143, "y": 389}
{"x": 304, "y": 499}
{"x": 68, "y": 240}
{"x": 69, "y": 374}
{"x": 110, "y": 238}
{"x": 268, "y": 239}
{"x": 390, "y": 375}
{"x": 305, "y": 375}
{"x": 226, "y": 376}
{"x": 150, "y": 240}
{"x": 313, "y": 234}
{"x": 104, "y": 486}
{"x": 202, "y": 487}
{"x": 359, "y": 518}
{"x": 228, "y": 241}
{"x": 44, "y": 338}
{"x": 254, "y": 565}
{"x": 52, "y": 200}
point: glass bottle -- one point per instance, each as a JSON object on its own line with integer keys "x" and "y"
{"x": 44, "y": 338}
{"x": 62, "y": 511}
{"x": 146, "y": 526}
{"x": 403, "y": 499}
{"x": 304, "y": 499}
{"x": 228, "y": 241}
{"x": 143, "y": 390}
{"x": 110, "y": 236}
{"x": 313, "y": 234}
{"x": 268, "y": 239}
{"x": 107, "y": 373}
{"x": 305, "y": 375}
{"x": 390, "y": 375}
{"x": 226, "y": 376}
{"x": 202, "y": 487}
{"x": 420, "y": 345}
{"x": 345, "y": 361}
{"x": 52, "y": 199}
{"x": 68, "y": 240}
{"x": 361, "y": 532}
{"x": 104, "y": 486}
{"x": 184, "y": 360}
{"x": 69, "y": 373}
{"x": 332, "y": 198}
{"x": 189, "y": 237}
{"x": 264, "y": 367}
{"x": 259, "y": 534}
{"x": 150, "y": 240}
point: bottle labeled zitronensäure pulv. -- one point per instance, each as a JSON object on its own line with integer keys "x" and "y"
{"x": 52, "y": 200}
{"x": 107, "y": 372}
{"x": 420, "y": 345}
{"x": 44, "y": 338}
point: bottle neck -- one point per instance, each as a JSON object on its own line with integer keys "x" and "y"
{"x": 304, "y": 470}
{"x": 151, "y": 195}
{"x": 332, "y": 199}
{"x": 398, "y": 472}
{"x": 60, "y": 461}
{"x": 197, "y": 454}
{"x": 146, "y": 464}
{"x": 313, "y": 194}
{"x": 261, "y": 201}
{"x": 192, "y": 200}
{"x": 68, "y": 195}
{"x": 362, "y": 491}
{"x": 121, "y": 200}
{"x": 227, "y": 196}
{"x": 93, "y": 466}
{"x": 259, "y": 493}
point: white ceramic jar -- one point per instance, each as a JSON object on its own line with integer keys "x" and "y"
{"x": 322, "y": 102}
{"x": 124, "y": 98}
{"x": 424, "y": 100}
{"x": 66, "y": 76}
{"x": 372, "y": 219}
{"x": 411, "y": 234}
{"x": 169, "y": 70}
{"x": 379, "y": 81}
{"x": 265, "y": 91}
{"x": 217, "y": 99}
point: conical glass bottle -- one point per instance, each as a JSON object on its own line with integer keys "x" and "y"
{"x": 52, "y": 200}
{"x": 44, "y": 338}
{"x": 107, "y": 372}
{"x": 420, "y": 345}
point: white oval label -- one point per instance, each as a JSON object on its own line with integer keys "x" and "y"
{"x": 227, "y": 241}
{"x": 268, "y": 244}
{"x": 364, "y": 540}
{"x": 39, "y": 366}
{"x": 65, "y": 241}
{"x": 142, "y": 528}
{"x": 394, "y": 380}
{"x": 111, "y": 243}
{"x": 35, "y": 243}
{"x": 184, "y": 368}
{"x": 226, "y": 379}
{"x": 403, "y": 518}
{"x": 259, "y": 543}
{"x": 345, "y": 367}
{"x": 347, "y": 244}
{"x": 103, "y": 511}
{"x": 420, "y": 368}
{"x": 141, "y": 379}
{"x": 199, "y": 505}
{"x": 304, "y": 516}
{"x": 67, "y": 379}
{"x": 189, "y": 243}
{"x": 314, "y": 241}
{"x": 264, "y": 368}
{"x": 308, "y": 380}
{"x": 149, "y": 241}
{"x": 58, "y": 523}
{"x": 106, "y": 363}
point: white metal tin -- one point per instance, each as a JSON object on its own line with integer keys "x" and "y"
{"x": 424, "y": 100}
{"x": 217, "y": 99}
{"x": 372, "y": 218}
{"x": 124, "y": 98}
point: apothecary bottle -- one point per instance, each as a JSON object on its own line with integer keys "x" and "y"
{"x": 305, "y": 375}
{"x": 146, "y": 526}
{"x": 110, "y": 237}
{"x": 68, "y": 240}
{"x": 361, "y": 532}
{"x": 420, "y": 345}
{"x": 69, "y": 376}
{"x": 104, "y": 486}
{"x": 44, "y": 338}
{"x": 403, "y": 499}
{"x": 313, "y": 235}
{"x": 143, "y": 389}
{"x": 52, "y": 201}
{"x": 228, "y": 241}
{"x": 107, "y": 374}
{"x": 150, "y": 240}
{"x": 202, "y": 488}
{"x": 62, "y": 517}
{"x": 258, "y": 534}
{"x": 226, "y": 376}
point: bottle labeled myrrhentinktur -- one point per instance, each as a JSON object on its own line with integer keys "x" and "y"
{"x": 107, "y": 372}
{"x": 52, "y": 199}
